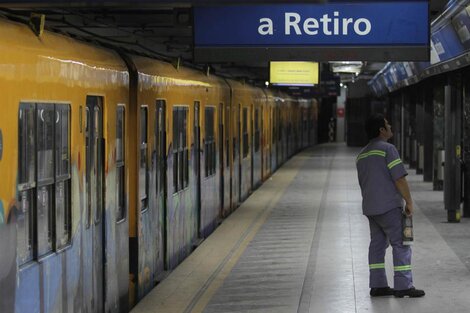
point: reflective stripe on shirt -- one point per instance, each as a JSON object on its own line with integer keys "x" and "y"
{"x": 370, "y": 153}
{"x": 393, "y": 163}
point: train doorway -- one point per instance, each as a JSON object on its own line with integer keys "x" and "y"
{"x": 239, "y": 155}
{"x": 221, "y": 161}
{"x": 197, "y": 165}
{"x": 94, "y": 182}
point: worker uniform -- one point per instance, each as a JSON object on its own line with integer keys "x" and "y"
{"x": 378, "y": 167}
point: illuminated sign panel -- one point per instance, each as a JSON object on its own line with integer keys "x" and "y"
{"x": 363, "y": 30}
{"x": 293, "y": 73}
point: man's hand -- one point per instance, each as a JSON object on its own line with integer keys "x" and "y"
{"x": 409, "y": 209}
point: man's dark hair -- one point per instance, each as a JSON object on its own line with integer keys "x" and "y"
{"x": 373, "y": 125}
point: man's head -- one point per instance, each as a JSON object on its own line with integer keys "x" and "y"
{"x": 378, "y": 127}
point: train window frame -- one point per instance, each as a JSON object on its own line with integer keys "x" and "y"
{"x": 121, "y": 212}
{"x": 245, "y": 136}
{"x": 63, "y": 177}
{"x": 45, "y": 183}
{"x": 257, "y": 129}
{"x": 160, "y": 133}
{"x": 227, "y": 130}
{"x": 180, "y": 150}
{"x": 88, "y": 212}
{"x": 143, "y": 154}
{"x": 99, "y": 162}
{"x": 209, "y": 141}
{"x": 44, "y": 179}
{"x": 26, "y": 184}
{"x": 185, "y": 148}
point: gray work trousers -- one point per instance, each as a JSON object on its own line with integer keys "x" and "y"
{"x": 387, "y": 228}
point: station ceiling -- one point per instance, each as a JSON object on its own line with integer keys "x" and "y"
{"x": 158, "y": 28}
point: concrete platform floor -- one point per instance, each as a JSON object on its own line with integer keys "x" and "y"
{"x": 299, "y": 244}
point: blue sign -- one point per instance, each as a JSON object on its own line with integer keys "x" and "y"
{"x": 401, "y": 23}
{"x": 461, "y": 24}
{"x": 446, "y": 43}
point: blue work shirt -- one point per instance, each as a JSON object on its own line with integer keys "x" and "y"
{"x": 378, "y": 167}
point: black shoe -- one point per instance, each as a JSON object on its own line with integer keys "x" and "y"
{"x": 380, "y": 292}
{"x": 412, "y": 293}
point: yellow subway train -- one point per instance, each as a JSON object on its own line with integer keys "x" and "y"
{"x": 114, "y": 167}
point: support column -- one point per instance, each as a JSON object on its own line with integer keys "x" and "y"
{"x": 438, "y": 138}
{"x": 452, "y": 177}
{"x": 420, "y": 116}
{"x": 428, "y": 139}
{"x": 466, "y": 147}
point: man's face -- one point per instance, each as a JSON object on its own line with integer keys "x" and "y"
{"x": 386, "y": 132}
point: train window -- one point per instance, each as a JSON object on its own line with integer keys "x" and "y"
{"x": 26, "y": 131}
{"x": 161, "y": 148}
{"x": 97, "y": 157}
{"x": 120, "y": 148}
{"x": 245, "y": 132}
{"x": 62, "y": 183}
{"x": 175, "y": 148}
{"x": 87, "y": 148}
{"x": 143, "y": 175}
{"x": 273, "y": 124}
{"x": 45, "y": 175}
{"x": 26, "y": 181}
{"x": 45, "y": 137}
{"x": 120, "y": 168}
{"x": 180, "y": 149}
{"x": 209, "y": 147}
{"x": 257, "y": 131}
{"x": 185, "y": 148}
{"x": 181, "y": 163}
{"x": 62, "y": 141}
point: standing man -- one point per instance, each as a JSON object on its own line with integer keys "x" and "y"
{"x": 382, "y": 178}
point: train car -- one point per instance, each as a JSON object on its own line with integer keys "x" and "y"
{"x": 180, "y": 113}
{"x": 243, "y": 100}
{"x": 64, "y": 175}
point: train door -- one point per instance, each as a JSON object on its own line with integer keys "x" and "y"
{"x": 221, "y": 160}
{"x": 235, "y": 156}
{"x": 239, "y": 164}
{"x": 161, "y": 179}
{"x": 252, "y": 148}
{"x": 94, "y": 182}
{"x": 278, "y": 137}
{"x": 197, "y": 165}
{"x": 262, "y": 143}
{"x": 227, "y": 163}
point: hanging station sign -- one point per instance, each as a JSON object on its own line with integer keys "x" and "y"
{"x": 293, "y": 73}
{"x": 374, "y": 31}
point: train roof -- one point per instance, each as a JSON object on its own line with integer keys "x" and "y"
{"x": 54, "y": 57}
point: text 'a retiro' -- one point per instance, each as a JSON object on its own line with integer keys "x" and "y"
{"x": 326, "y": 25}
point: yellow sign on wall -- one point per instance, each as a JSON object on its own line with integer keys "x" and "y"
{"x": 293, "y": 73}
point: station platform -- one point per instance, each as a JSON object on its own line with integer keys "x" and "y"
{"x": 300, "y": 242}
